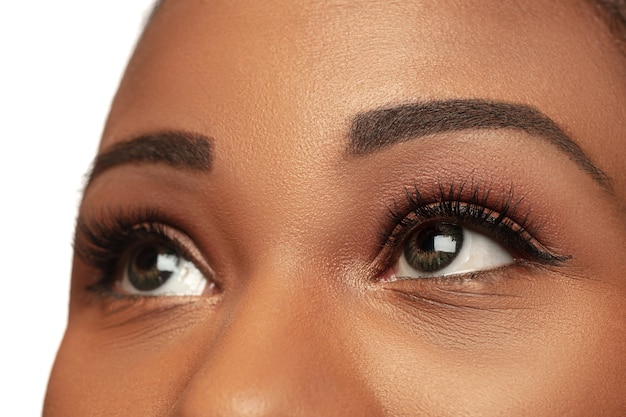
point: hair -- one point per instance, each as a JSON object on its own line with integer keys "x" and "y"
{"x": 614, "y": 11}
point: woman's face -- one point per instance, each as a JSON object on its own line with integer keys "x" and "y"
{"x": 356, "y": 208}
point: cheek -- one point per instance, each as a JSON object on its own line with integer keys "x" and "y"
{"x": 122, "y": 363}
{"x": 566, "y": 354}
{"x": 565, "y": 357}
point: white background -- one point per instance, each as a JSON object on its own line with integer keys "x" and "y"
{"x": 60, "y": 63}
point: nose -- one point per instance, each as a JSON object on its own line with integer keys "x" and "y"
{"x": 282, "y": 353}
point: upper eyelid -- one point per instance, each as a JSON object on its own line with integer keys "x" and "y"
{"x": 455, "y": 196}
{"x": 98, "y": 240}
{"x": 481, "y": 197}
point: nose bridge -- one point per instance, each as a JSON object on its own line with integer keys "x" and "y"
{"x": 277, "y": 354}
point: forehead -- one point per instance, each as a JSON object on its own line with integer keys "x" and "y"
{"x": 291, "y": 73}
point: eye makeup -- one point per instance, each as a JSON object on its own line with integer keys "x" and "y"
{"x": 494, "y": 214}
{"x": 111, "y": 243}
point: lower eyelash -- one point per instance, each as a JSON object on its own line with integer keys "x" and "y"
{"x": 469, "y": 207}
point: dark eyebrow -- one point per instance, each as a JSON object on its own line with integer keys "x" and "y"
{"x": 377, "y": 129}
{"x": 178, "y": 149}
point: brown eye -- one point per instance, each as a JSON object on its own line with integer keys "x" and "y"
{"x": 158, "y": 269}
{"x": 152, "y": 266}
{"x": 434, "y": 247}
{"x": 438, "y": 248}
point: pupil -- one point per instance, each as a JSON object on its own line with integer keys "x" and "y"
{"x": 434, "y": 247}
{"x": 151, "y": 267}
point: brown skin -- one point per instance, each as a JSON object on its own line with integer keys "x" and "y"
{"x": 303, "y": 322}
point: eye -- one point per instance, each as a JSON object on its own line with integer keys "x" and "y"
{"x": 439, "y": 249}
{"x": 461, "y": 229}
{"x": 138, "y": 253}
{"x": 157, "y": 269}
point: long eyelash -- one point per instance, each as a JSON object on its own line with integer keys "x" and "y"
{"x": 102, "y": 241}
{"x": 475, "y": 208}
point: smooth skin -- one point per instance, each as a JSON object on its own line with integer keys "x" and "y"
{"x": 304, "y": 319}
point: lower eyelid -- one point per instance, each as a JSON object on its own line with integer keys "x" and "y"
{"x": 503, "y": 281}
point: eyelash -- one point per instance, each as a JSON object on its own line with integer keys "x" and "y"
{"x": 474, "y": 209}
{"x": 104, "y": 241}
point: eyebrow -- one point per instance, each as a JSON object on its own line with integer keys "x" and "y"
{"x": 178, "y": 149}
{"x": 369, "y": 132}
{"x": 375, "y": 130}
